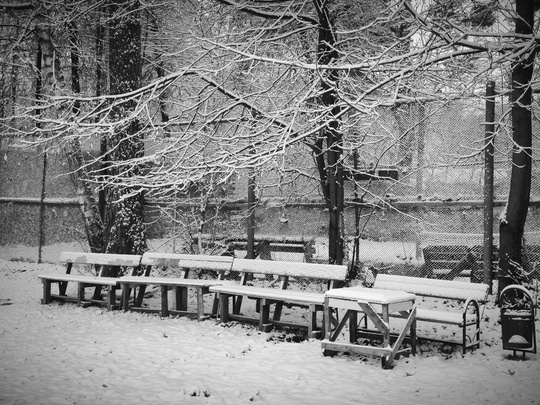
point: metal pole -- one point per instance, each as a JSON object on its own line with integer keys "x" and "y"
{"x": 488, "y": 184}
{"x": 251, "y": 217}
{"x": 42, "y": 207}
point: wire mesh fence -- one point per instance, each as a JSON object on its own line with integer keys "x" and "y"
{"x": 415, "y": 200}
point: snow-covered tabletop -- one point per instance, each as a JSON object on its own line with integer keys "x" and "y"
{"x": 371, "y": 295}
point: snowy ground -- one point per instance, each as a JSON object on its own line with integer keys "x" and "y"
{"x": 62, "y": 354}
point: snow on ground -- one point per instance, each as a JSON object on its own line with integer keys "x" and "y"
{"x": 62, "y": 354}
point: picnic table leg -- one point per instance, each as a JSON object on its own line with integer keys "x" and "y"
{"x": 388, "y": 361}
{"x": 327, "y": 314}
{"x": 164, "y": 301}
{"x": 413, "y": 335}
{"x": 46, "y": 291}
{"x": 353, "y": 325}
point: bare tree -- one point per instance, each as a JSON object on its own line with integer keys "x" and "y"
{"x": 513, "y": 220}
{"x": 258, "y": 85}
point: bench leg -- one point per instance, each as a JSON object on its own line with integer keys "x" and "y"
{"x": 223, "y": 307}
{"x": 164, "y": 301}
{"x": 200, "y": 304}
{"x": 46, "y": 291}
{"x": 181, "y": 298}
{"x": 80, "y": 293}
{"x": 62, "y": 287}
{"x": 278, "y": 310}
{"x": 313, "y": 330}
{"x": 237, "y": 305}
{"x": 215, "y": 305}
{"x": 125, "y": 297}
{"x": 111, "y": 297}
{"x": 264, "y": 317}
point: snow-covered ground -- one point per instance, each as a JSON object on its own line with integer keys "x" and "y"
{"x": 62, "y": 354}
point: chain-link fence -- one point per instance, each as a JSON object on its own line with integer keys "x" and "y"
{"x": 414, "y": 200}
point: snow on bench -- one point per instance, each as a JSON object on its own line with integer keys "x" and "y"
{"x": 179, "y": 285}
{"x": 103, "y": 260}
{"x": 269, "y": 296}
{"x": 466, "y": 315}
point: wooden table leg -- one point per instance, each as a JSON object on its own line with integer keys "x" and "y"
{"x": 353, "y": 324}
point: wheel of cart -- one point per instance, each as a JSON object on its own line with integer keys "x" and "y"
{"x": 517, "y": 320}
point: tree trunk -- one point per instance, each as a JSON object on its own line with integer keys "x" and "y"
{"x": 332, "y": 173}
{"x": 125, "y": 211}
{"x": 92, "y": 220}
{"x": 513, "y": 220}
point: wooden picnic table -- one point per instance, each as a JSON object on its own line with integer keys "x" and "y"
{"x": 377, "y": 305}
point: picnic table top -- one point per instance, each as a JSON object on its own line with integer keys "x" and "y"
{"x": 371, "y": 295}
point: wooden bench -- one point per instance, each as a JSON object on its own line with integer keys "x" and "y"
{"x": 267, "y": 296}
{"x": 103, "y": 261}
{"x": 471, "y": 297}
{"x": 451, "y": 255}
{"x": 219, "y": 265}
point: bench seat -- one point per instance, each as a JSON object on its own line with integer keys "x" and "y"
{"x": 178, "y": 285}
{"x": 185, "y": 263}
{"x": 450, "y": 318}
{"x": 103, "y": 261}
{"x": 82, "y": 282}
{"x": 80, "y": 279}
{"x": 282, "y": 272}
{"x": 290, "y": 296}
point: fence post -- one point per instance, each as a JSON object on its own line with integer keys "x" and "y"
{"x": 488, "y": 184}
{"x": 251, "y": 216}
{"x": 42, "y": 207}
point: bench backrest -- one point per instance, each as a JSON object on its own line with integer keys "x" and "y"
{"x": 429, "y": 287}
{"x": 291, "y": 269}
{"x": 201, "y": 262}
{"x": 104, "y": 259}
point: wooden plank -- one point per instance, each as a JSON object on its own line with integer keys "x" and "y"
{"x": 202, "y": 262}
{"x": 100, "y": 259}
{"x": 354, "y": 348}
{"x": 292, "y": 269}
